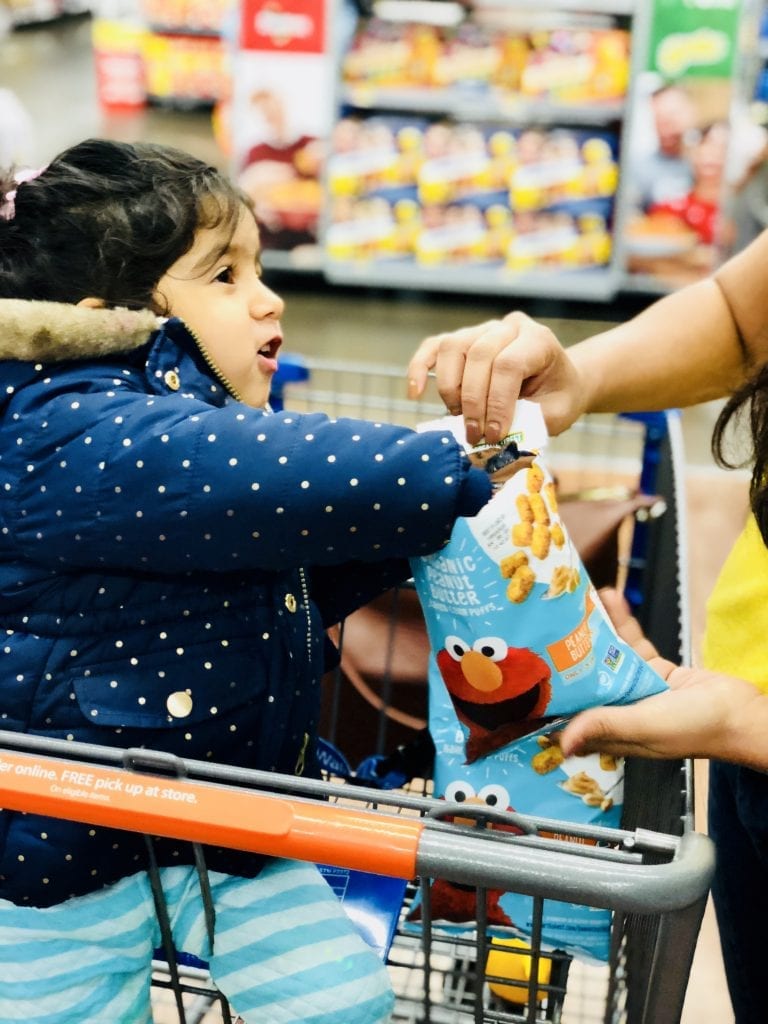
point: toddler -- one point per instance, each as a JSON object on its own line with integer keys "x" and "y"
{"x": 171, "y": 554}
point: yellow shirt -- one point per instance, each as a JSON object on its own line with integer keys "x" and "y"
{"x": 736, "y": 637}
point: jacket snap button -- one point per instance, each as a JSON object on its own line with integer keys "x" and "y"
{"x": 179, "y": 704}
{"x": 290, "y": 603}
{"x": 171, "y": 378}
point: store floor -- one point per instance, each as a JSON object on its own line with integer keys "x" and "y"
{"x": 51, "y": 71}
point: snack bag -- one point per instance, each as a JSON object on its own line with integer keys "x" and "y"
{"x": 529, "y": 775}
{"x": 520, "y": 642}
{"x": 517, "y": 630}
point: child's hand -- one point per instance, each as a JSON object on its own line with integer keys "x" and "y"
{"x": 703, "y": 714}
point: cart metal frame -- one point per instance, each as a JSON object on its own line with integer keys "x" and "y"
{"x": 653, "y": 872}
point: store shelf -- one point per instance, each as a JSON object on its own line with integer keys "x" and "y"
{"x": 644, "y": 284}
{"x": 182, "y": 104}
{"x": 470, "y": 105}
{"x": 303, "y": 259}
{"x": 432, "y": 10}
{"x": 617, "y": 8}
{"x": 172, "y": 29}
{"x": 598, "y": 284}
{"x": 29, "y": 13}
{"x": 480, "y": 154}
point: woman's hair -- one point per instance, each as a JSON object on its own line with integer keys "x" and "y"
{"x": 107, "y": 219}
{"x": 750, "y": 402}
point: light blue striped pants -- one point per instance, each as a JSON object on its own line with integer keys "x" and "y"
{"x": 284, "y": 951}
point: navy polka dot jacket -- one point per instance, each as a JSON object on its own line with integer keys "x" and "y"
{"x": 169, "y": 560}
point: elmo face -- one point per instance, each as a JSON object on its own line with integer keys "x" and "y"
{"x": 451, "y": 901}
{"x": 496, "y": 690}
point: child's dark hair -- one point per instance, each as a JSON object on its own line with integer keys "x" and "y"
{"x": 749, "y": 402}
{"x": 107, "y": 219}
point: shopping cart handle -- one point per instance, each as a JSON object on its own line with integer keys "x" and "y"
{"x": 135, "y": 759}
{"x": 556, "y": 874}
{"x": 208, "y": 812}
{"x": 244, "y": 817}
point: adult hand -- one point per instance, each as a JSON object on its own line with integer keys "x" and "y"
{"x": 703, "y": 714}
{"x": 482, "y": 370}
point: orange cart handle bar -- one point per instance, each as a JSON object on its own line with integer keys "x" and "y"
{"x": 164, "y": 802}
{"x": 208, "y": 812}
{"x": 140, "y": 759}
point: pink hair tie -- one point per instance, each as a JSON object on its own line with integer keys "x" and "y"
{"x": 8, "y": 209}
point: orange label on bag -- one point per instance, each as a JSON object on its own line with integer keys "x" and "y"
{"x": 574, "y": 647}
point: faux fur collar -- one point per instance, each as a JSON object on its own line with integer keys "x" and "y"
{"x": 47, "y": 332}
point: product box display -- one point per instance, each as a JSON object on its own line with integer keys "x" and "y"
{"x": 566, "y": 64}
{"x": 433, "y": 192}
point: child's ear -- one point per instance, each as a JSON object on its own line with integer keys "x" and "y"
{"x": 92, "y": 303}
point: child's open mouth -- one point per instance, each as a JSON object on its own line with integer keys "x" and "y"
{"x": 268, "y": 354}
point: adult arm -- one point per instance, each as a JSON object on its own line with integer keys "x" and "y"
{"x": 691, "y": 346}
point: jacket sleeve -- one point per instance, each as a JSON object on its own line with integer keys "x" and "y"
{"x": 340, "y": 590}
{"x": 121, "y": 479}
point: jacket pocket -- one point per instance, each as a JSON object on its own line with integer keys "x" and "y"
{"x": 162, "y": 691}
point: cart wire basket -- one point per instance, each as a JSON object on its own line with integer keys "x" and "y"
{"x": 380, "y": 820}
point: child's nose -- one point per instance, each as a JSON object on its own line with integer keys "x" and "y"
{"x": 265, "y": 302}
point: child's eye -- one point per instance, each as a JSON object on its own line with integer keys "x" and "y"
{"x": 225, "y": 275}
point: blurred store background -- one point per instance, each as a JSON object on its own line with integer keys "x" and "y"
{"x": 421, "y": 164}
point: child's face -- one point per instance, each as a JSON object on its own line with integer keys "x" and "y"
{"x": 229, "y": 309}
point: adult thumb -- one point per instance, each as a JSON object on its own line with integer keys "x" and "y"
{"x": 623, "y": 731}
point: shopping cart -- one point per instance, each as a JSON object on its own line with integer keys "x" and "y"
{"x": 653, "y": 872}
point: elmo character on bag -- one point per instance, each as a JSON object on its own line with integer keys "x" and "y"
{"x": 498, "y": 692}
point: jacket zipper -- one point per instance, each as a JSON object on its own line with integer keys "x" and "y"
{"x": 238, "y": 398}
{"x": 305, "y": 599}
{"x": 301, "y": 760}
{"x": 224, "y": 381}
{"x": 302, "y": 575}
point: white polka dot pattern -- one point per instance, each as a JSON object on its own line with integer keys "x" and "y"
{"x": 167, "y": 560}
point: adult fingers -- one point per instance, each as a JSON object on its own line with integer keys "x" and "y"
{"x": 515, "y": 357}
{"x": 626, "y": 625}
{"x": 421, "y": 362}
{"x": 640, "y": 729}
{"x": 463, "y": 364}
{"x": 447, "y": 351}
{"x": 690, "y": 719}
{"x": 492, "y": 379}
{"x": 481, "y": 370}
